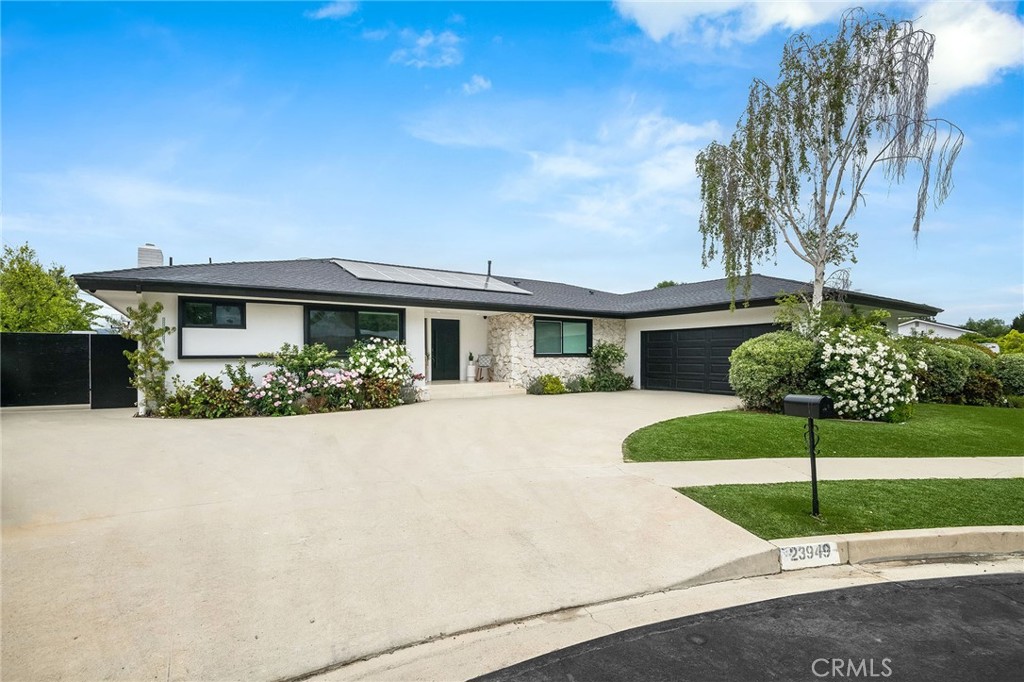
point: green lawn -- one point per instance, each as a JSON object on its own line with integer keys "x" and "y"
{"x": 783, "y": 510}
{"x": 934, "y": 431}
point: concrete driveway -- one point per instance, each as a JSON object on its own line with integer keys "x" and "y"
{"x": 269, "y": 548}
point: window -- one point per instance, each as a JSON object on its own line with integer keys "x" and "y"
{"x": 338, "y": 328}
{"x": 205, "y": 312}
{"x": 561, "y": 337}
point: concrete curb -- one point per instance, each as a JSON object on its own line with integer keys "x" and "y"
{"x": 880, "y": 546}
{"x": 469, "y": 654}
{"x": 922, "y": 543}
{"x": 978, "y": 542}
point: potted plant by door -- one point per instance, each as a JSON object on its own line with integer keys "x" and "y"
{"x": 471, "y": 369}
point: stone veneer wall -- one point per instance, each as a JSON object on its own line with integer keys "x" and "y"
{"x": 510, "y": 341}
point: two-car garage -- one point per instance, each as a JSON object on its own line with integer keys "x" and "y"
{"x": 692, "y": 359}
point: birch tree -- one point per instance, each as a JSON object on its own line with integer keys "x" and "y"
{"x": 797, "y": 165}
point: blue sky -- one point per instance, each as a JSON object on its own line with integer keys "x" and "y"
{"x": 556, "y": 139}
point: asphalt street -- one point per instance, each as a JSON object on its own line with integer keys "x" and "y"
{"x": 964, "y": 628}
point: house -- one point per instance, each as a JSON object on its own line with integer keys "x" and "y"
{"x": 917, "y": 327}
{"x": 676, "y": 338}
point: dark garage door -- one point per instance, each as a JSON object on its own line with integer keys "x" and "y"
{"x": 692, "y": 359}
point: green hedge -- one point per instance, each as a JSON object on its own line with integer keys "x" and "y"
{"x": 765, "y": 369}
{"x": 945, "y": 375}
{"x": 1009, "y": 369}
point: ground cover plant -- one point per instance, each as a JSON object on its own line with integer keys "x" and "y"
{"x": 935, "y": 431}
{"x": 782, "y": 510}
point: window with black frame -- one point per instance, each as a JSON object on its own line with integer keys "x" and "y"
{"x": 203, "y": 312}
{"x": 338, "y": 328}
{"x": 558, "y": 337}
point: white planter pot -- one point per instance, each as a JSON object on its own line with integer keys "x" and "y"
{"x": 471, "y": 372}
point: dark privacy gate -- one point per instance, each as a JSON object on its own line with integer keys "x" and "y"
{"x": 692, "y": 359}
{"x": 65, "y": 369}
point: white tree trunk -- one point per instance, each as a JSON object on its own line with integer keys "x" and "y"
{"x": 819, "y": 286}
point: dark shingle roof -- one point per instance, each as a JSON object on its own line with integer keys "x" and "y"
{"x": 322, "y": 279}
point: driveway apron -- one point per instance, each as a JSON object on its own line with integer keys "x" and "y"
{"x": 267, "y": 548}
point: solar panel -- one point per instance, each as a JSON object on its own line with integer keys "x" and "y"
{"x": 432, "y": 278}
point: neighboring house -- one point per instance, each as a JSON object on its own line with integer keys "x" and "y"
{"x": 929, "y": 328}
{"x": 677, "y": 338}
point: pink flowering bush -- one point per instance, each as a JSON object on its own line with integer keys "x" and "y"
{"x": 278, "y": 394}
{"x": 330, "y": 391}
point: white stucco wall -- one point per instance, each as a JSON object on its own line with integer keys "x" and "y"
{"x": 926, "y": 328}
{"x": 472, "y": 333}
{"x": 718, "y": 318}
{"x": 510, "y": 340}
{"x": 415, "y": 340}
{"x": 267, "y": 327}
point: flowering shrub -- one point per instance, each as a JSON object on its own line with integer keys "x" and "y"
{"x": 867, "y": 376}
{"x": 284, "y": 393}
{"x": 278, "y": 394}
{"x": 385, "y": 367}
{"x": 377, "y": 373}
{"x": 328, "y": 391}
{"x": 380, "y": 359}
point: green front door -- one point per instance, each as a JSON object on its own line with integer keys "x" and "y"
{"x": 444, "y": 350}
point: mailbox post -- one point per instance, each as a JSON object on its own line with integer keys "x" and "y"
{"x": 813, "y": 407}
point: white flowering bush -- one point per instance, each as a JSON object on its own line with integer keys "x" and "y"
{"x": 385, "y": 367}
{"x": 867, "y": 376}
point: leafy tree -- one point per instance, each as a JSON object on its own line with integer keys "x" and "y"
{"x": 1011, "y": 342}
{"x": 665, "y": 284}
{"x": 991, "y": 327}
{"x": 1018, "y": 323}
{"x": 34, "y": 299}
{"x": 804, "y": 148}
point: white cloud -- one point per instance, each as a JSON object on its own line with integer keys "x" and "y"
{"x": 634, "y": 177}
{"x": 476, "y": 84}
{"x": 974, "y": 45}
{"x": 333, "y": 10}
{"x": 428, "y": 49}
{"x": 376, "y": 34}
{"x": 975, "y": 41}
{"x": 724, "y": 22}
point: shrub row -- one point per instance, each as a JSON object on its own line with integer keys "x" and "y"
{"x": 870, "y": 375}
{"x": 302, "y": 381}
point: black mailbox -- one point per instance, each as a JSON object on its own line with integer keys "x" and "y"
{"x": 808, "y": 406}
